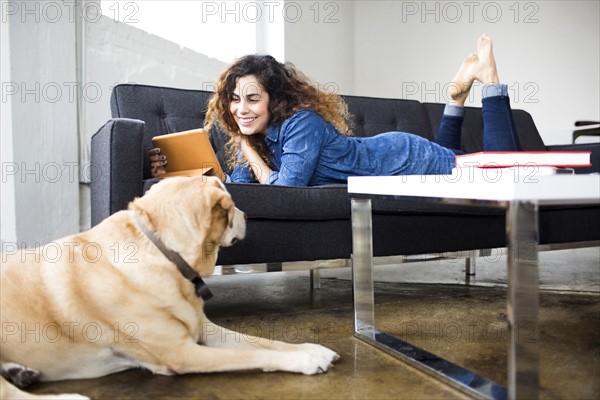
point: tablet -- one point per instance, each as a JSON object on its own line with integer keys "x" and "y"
{"x": 189, "y": 153}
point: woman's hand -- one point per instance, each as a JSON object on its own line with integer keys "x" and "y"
{"x": 246, "y": 148}
{"x": 157, "y": 163}
{"x": 257, "y": 164}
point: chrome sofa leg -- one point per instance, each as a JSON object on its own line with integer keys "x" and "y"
{"x": 315, "y": 279}
{"x": 274, "y": 267}
{"x": 471, "y": 264}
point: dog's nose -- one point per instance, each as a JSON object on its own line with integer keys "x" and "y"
{"x": 236, "y": 239}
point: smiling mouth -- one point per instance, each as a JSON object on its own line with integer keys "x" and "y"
{"x": 246, "y": 121}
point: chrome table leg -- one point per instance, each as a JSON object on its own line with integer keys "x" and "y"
{"x": 362, "y": 266}
{"x": 364, "y": 317}
{"x": 523, "y": 300}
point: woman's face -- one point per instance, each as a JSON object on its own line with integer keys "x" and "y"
{"x": 249, "y": 106}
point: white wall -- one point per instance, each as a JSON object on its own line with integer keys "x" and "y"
{"x": 547, "y": 51}
{"x": 41, "y": 158}
{"x": 320, "y": 41}
{"x": 120, "y": 53}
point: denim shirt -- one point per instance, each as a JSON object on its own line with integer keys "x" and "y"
{"x": 306, "y": 150}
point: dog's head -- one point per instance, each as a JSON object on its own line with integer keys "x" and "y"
{"x": 194, "y": 217}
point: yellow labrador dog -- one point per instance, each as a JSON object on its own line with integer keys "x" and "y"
{"x": 128, "y": 294}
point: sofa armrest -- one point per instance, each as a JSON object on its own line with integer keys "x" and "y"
{"x": 594, "y": 157}
{"x": 116, "y": 166}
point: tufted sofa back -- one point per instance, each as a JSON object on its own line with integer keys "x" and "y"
{"x": 167, "y": 110}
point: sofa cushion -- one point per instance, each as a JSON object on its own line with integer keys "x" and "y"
{"x": 291, "y": 202}
{"x": 164, "y": 110}
{"x": 377, "y": 115}
{"x": 329, "y": 202}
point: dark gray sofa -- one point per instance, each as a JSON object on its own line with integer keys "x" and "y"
{"x": 313, "y": 223}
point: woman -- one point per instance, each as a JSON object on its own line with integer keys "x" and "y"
{"x": 285, "y": 131}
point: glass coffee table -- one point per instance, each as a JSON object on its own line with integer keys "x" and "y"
{"x": 519, "y": 194}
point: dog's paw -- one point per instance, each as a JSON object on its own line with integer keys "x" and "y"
{"x": 19, "y": 375}
{"x": 68, "y": 396}
{"x": 316, "y": 359}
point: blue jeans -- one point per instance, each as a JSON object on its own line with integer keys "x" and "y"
{"x": 499, "y": 131}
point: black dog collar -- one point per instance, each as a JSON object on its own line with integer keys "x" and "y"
{"x": 188, "y": 272}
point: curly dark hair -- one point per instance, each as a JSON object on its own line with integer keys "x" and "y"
{"x": 289, "y": 91}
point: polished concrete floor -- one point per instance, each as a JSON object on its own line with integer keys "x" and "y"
{"x": 427, "y": 303}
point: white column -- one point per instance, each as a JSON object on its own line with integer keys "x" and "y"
{"x": 8, "y": 228}
{"x": 39, "y": 122}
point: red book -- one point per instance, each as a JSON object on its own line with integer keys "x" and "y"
{"x": 505, "y": 159}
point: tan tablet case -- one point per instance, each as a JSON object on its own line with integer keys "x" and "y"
{"x": 189, "y": 153}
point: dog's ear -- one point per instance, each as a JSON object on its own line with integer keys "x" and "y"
{"x": 223, "y": 200}
{"x": 225, "y": 203}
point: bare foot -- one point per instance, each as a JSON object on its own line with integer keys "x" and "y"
{"x": 464, "y": 78}
{"x": 486, "y": 71}
{"x": 480, "y": 66}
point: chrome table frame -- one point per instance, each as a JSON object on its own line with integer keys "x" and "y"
{"x": 521, "y": 204}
